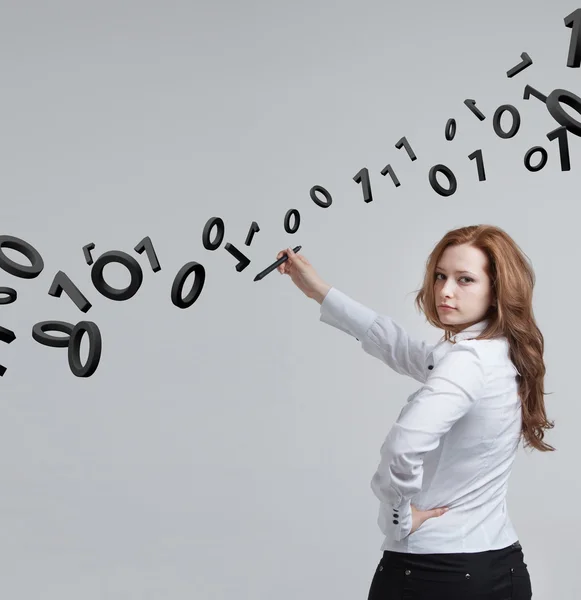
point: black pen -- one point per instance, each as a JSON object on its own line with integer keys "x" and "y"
{"x": 274, "y": 265}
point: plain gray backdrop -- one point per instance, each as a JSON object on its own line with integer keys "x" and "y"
{"x": 226, "y": 450}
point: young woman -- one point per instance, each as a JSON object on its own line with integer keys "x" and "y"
{"x": 452, "y": 447}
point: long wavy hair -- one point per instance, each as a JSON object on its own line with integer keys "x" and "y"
{"x": 513, "y": 280}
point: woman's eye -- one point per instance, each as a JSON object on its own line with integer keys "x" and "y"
{"x": 465, "y": 277}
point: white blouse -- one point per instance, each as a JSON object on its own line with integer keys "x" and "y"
{"x": 454, "y": 441}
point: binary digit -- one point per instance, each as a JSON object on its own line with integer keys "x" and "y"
{"x": 558, "y": 113}
{"x": 561, "y": 134}
{"x": 573, "y": 21}
{"x": 243, "y": 260}
{"x": 449, "y": 175}
{"x": 14, "y": 268}
{"x": 530, "y": 91}
{"x": 477, "y": 154}
{"x": 528, "y": 155}
{"x": 387, "y": 169}
{"x": 403, "y": 142}
{"x": 363, "y": 176}
{"x": 450, "y": 131}
{"x": 208, "y": 245}
{"x": 62, "y": 282}
{"x": 74, "y": 351}
{"x": 179, "y": 281}
{"x": 87, "y": 253}
{"x": 515, "y": 121}
{"x": 10, "y": 292}
{"x": 297, "y": 215}
{"x": 147, "y": 245}
{"x": 313, "y": 193}
{"x": 254, "y": 228}
{"x": 526, "y": 62}
{"x": 40, "y": 335}
{"x": 471, "y": 104}
{"x": 135, "y": 273}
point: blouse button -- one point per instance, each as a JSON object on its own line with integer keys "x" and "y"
{"x": 430, "y": 366}
{"x": 395, "y": 522}
{"x": 467, "y": 575}
{"x": 407, "y": 571}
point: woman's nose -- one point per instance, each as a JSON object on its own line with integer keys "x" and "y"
{"x": 448, "y": 288}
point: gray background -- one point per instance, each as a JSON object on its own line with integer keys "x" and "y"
{"x": 226, "y": 450}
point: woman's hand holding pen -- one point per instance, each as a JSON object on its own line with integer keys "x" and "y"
{"x": 303, "y": 275}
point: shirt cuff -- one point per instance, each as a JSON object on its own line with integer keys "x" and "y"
{"x": 341, "y": 311}
{"x": 402, "y": 520}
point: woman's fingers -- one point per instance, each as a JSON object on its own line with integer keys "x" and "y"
{"x": 286, "y": 266}
{"x": 282, "y": 268}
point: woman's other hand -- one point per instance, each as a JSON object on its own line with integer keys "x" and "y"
{"x": 419, "y": 516}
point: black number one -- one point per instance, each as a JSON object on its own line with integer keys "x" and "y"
{"x": 574, "y": 22}
{"x": 363, "y": 176}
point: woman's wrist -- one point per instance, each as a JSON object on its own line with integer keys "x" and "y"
{"x": 320, "y": 292}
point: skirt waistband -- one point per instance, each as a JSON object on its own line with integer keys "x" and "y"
{"x": 488, "y": 560}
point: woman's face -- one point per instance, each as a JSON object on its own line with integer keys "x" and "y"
{"x": 461, "y": 282}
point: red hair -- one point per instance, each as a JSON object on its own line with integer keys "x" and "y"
{"x": 513, "y": 280}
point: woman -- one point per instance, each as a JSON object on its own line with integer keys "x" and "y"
{"x": 452, "y": 447}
